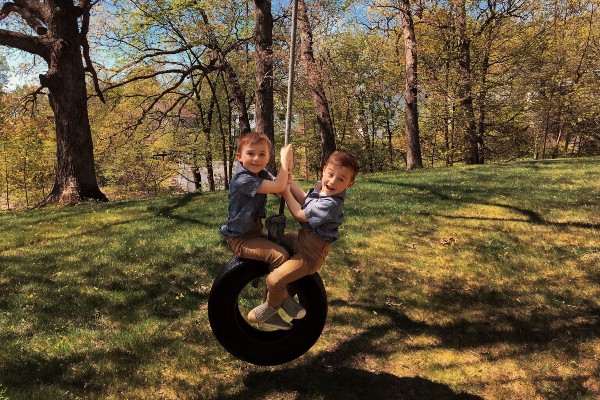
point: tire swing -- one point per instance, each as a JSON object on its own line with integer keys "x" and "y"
{"x": 234, "y": 293}
{"x": 239, "y": 286}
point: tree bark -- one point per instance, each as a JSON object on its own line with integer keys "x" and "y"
{"x": 414, "y": 158}
{"x": 315, "y": 84}
{"x": 59, "y": 43}
{"x": 263, "y": 43}
{"x": 465, "y": 91}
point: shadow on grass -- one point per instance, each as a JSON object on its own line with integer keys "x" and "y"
{"x": 341, "y": 373}
{"x": 474, "y": 196}
{"x": 318, "y": 381}
{"x": 211, "y": 214}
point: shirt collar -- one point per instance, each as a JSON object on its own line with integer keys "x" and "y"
{"x": 317, "y": 189}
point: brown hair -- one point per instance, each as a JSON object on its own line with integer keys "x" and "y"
{"x": 342, "y": 158}
{"x": 253, "y": 138}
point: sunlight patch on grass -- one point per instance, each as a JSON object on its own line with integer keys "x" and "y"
{"x": 482, "y": 280}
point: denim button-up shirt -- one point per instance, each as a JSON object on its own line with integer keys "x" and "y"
{"x": 246, "y": 207}
{"x": 325, "y": 214}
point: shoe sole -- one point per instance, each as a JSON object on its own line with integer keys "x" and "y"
{"x": 278, "y": 327}
{"x": 301, "y": 314}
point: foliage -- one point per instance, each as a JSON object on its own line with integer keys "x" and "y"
{"x": 26, "y": 151}
{"x": 465, "y": 282}
{"x": 3, "y": 73}
{"x": 534, "y": 74}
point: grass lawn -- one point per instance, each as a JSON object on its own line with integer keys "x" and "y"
{"x": 461, "y": 283}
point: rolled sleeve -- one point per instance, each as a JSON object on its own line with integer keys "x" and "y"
{"x": 248, "y": 184}
{"x": 322, "y": 211}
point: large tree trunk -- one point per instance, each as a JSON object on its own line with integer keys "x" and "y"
{"x": 465, "y": 91}
{"x": 65, "y": 79}
{"x": 59, "y": 41}
{"x": 413, "y": 146}
{"x": 263, "y": 42}
{"x": 315, "y": 84}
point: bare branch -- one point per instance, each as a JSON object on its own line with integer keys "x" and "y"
{"x": 25, "y": 13}
{"x": 156, "y": 53}
{"x": 142, "y": 77}
{"x": 85, "y": 45}
{"x": 23, "y": 42}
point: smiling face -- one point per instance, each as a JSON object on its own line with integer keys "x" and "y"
{"x": 254, "y": 156}
{"x": 336, "y": 179}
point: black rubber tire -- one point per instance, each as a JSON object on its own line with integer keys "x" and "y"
{"x": 242, "y": 339}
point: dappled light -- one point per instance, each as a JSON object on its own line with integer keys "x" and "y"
{"x": 452, "y": 285}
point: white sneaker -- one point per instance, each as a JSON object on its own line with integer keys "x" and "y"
{"x": 275, "y": 321}
{"x": 293, "y": 309}
{"x": 261, "y": 313}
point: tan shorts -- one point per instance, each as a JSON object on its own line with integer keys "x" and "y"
{"x": 256, "y": 246}
{"x": 309, "y": 248}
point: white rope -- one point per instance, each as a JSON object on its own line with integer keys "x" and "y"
{"x": 290, "y": 92}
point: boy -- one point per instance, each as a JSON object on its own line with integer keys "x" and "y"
{"x": 320, "y": 216}
{"x": 247, "y": 198}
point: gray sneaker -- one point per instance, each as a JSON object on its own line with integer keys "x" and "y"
{"x": 293, "y": 309}
{"x": 275, "y": 321}
{"x": 261, "y": 313}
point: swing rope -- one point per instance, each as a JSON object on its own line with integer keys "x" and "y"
{"x": 290, "y": 88}
{"x": 276, "y": 223}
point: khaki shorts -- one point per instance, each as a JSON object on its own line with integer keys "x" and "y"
{"x": 256, "y": 246}
{"x": 309, "y": 248}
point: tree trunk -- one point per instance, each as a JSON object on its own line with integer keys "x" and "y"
{"x": 315, "y": 84}
{"x": 263, "y": 42}
{"x": 413, "y": 146}
{"x": 65, "y": 79}
{"x": 482, "y": 101}
{"x": 448, "y": 119}
{"x": 206, "y": 124}
{"x": 465, "y": 91}
{"x": 59, "y": 41}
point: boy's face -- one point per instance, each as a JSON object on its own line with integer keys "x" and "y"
{"x": 254, "y": 157}
{"x": 335, "y": 180}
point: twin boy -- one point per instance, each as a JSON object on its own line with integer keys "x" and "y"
{"x": 320, "y": 213}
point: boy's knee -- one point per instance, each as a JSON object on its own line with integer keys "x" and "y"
{"x": 281, "y": 257}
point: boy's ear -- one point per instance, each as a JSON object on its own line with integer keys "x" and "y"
{"x": 351, "y": 183}
{"x": 238, "y": 155}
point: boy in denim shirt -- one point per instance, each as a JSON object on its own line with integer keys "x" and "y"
{"x": 320, "y": 215}
{"x": 247, "y": 198}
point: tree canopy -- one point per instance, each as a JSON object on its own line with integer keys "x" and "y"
{"x": 182, "y": 79}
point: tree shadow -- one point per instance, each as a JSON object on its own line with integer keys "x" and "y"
{"x": 346, "y": 383}
{"x": 180, "y": 202}
{"x": 473, "y": 197}
{"x": 341, "y": 374}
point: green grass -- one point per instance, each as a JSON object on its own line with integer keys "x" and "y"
{"x": 472, "y": 282}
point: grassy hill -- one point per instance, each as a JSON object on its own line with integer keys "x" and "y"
{"x": 472, "y": 282}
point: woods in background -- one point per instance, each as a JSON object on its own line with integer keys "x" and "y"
{"x": 399, "y": 83}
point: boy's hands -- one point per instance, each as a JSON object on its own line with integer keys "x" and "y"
{"x": 287, "y": 155}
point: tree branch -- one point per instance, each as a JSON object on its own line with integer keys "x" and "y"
{"x": 23, "y": 42}
{"x": 21, "y": 8}
{"x": 85, "y": 45}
